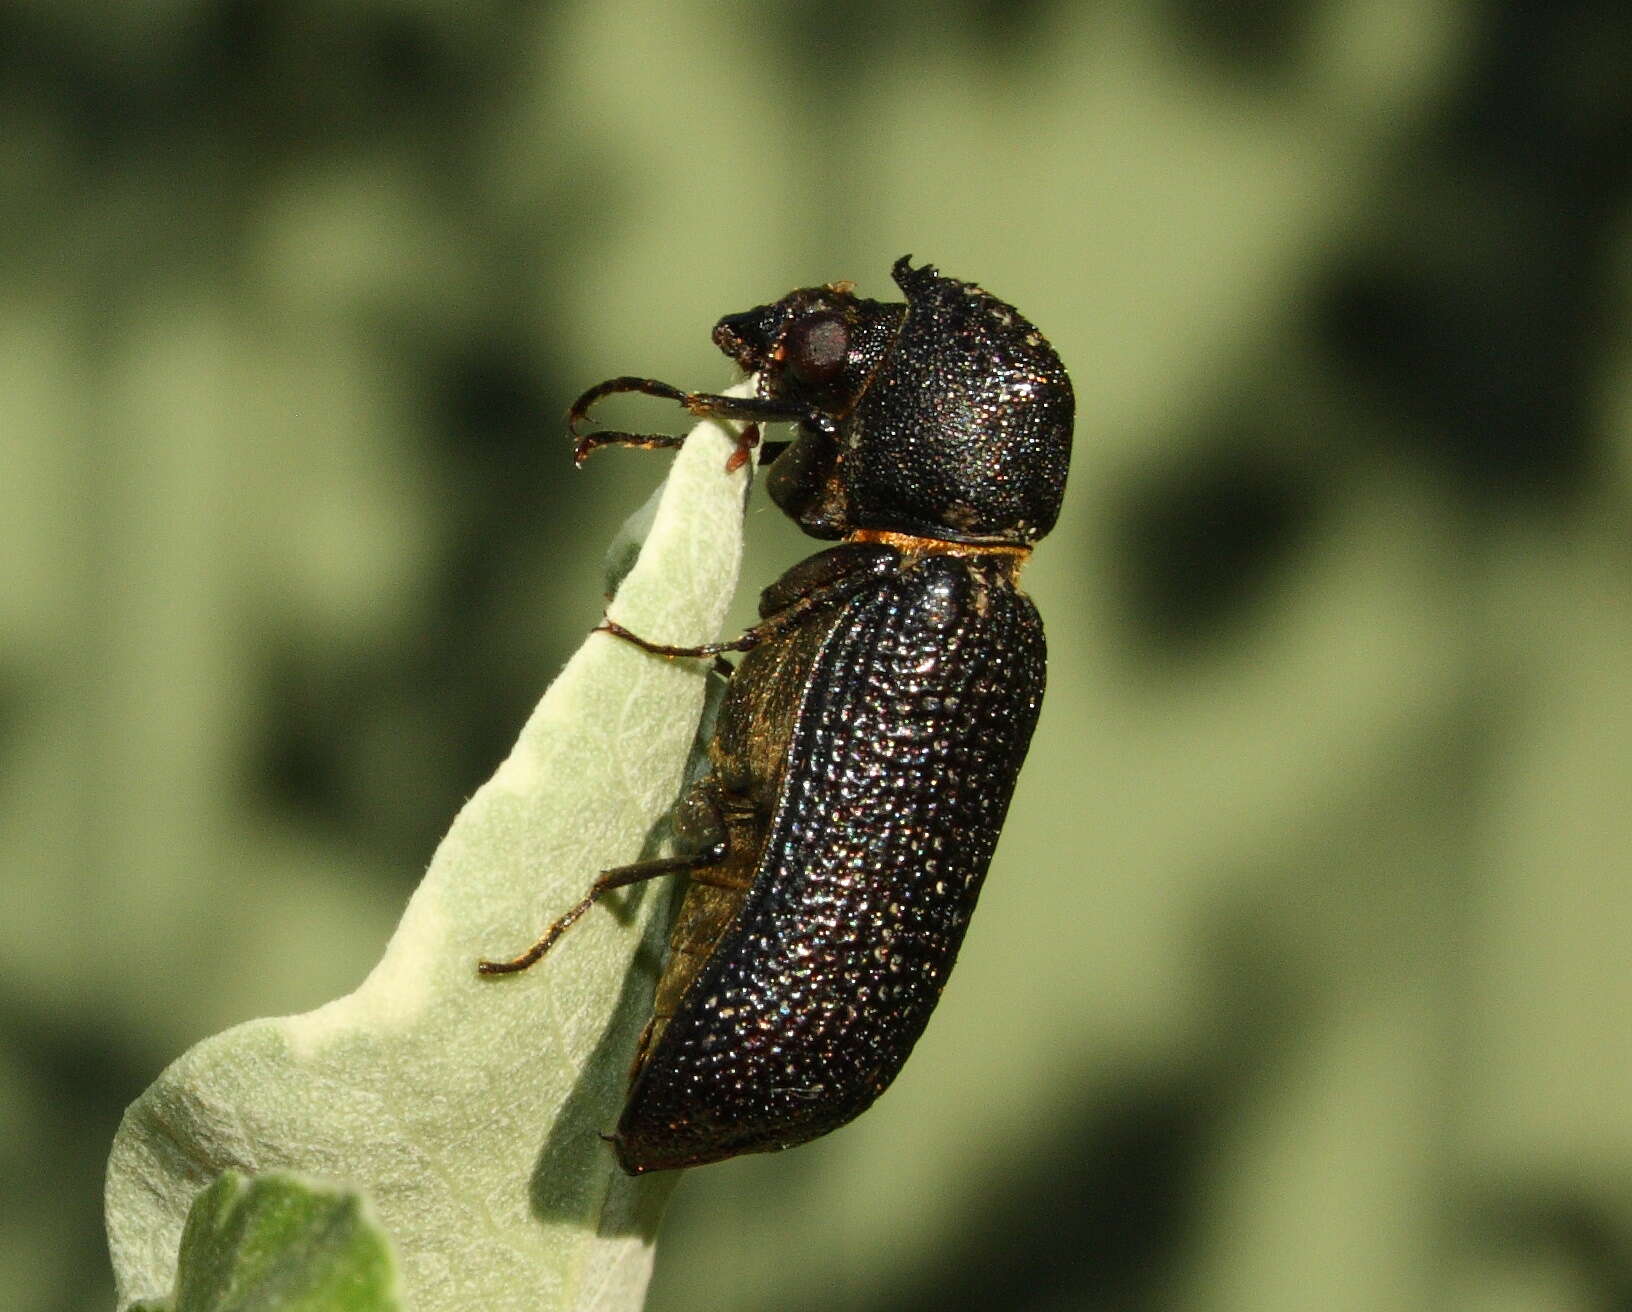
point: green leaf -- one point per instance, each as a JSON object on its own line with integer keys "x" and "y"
{"x": 281, "y": 1243}
{"x": 468, "y": 1109}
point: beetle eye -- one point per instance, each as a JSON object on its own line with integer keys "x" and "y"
{"x": 817, "y": 347}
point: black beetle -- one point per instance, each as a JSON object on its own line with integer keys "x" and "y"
{"x": 870, "y": 739}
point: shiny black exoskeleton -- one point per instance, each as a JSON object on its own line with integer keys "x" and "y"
{"x": 870, "y": 739}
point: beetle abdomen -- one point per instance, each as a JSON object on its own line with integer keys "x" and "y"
{"x": 915, "y": 717}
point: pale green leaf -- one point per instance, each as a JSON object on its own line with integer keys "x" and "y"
{"x": 468, "y": 1110}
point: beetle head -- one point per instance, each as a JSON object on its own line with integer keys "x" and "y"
{"x": 948, "y": 417}
{"x": 818, "y": 345}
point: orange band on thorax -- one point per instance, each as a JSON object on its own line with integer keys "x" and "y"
{"x": 914, "y": 545}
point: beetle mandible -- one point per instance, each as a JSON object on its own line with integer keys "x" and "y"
{"x": 870, "y": 738}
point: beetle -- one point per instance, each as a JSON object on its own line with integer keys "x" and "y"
{"x": 869, "y": 740}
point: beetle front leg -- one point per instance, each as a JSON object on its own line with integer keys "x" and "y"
{"x": 705, "y": 405}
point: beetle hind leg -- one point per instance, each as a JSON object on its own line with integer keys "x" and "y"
{"x": 698, "y": 820}
{"x": 618, "y": 877}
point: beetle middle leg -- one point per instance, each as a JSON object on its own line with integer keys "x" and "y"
{"x": 716, "y": 649}
{"x": 809, "y": 588}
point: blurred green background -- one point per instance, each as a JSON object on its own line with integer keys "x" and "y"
{"x": 1301, "y": 978}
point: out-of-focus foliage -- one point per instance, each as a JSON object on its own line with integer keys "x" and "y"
{"x": 1300, "y": 978}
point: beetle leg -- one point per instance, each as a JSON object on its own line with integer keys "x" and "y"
{"x": 585, "y": 446}
{"x": 698, "y": 820}
{"x": 749, "y": 638}
{"x": 696, "y": 866}
{"x": 825, "y": 587}
{"x": 579, "y": 413}
{"x": 611, "y": 387}
{"x": 749, "y": 409}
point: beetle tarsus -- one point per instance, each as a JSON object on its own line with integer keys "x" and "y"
{"x": 589, "y": 443}
{"x": 533, "y": 955}
{"x": 579, "y": 413}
